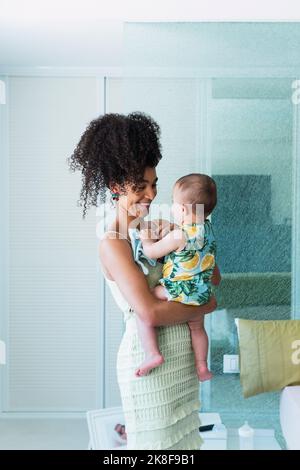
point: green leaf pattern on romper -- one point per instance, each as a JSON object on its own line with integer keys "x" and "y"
{"x": 187, "y": 274}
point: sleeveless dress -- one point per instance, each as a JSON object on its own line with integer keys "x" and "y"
{"x": 161, "y": 409}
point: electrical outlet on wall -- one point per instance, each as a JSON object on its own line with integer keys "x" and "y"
{"x": 231, "y": 364}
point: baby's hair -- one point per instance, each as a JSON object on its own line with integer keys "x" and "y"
{"x": 197, "y": 188}
{"x": 115, "y": 149}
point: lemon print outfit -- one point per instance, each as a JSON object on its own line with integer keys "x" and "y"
{"x": 187, "y": 273}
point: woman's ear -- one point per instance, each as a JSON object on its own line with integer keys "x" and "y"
{"x": 114, "y": 188}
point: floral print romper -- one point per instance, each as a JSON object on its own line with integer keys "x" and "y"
{"x": 187, "y": 273}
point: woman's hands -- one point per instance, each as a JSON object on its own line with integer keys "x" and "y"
{"x": 216, "y": 276}
{"x": 147, "y": 234}
{"x": 210, "y": 306}
{"x": 160, "y": 228}
{"x": 173, "y": 313}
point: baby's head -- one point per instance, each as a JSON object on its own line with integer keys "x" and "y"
{"x": 194, "y": 198}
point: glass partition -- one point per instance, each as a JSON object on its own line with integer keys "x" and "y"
{"x": 251, "y": 161}
{"x": 240, "y": 128}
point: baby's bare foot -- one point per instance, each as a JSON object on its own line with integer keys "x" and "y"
{"x": 203, "y": 372}
{"x": 149, "y": 363}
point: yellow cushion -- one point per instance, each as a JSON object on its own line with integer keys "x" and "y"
{"x": 269, "y": 355}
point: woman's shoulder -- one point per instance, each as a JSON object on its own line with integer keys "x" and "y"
{"x": 113, "y": 242}
{"x": 113, "y": 232}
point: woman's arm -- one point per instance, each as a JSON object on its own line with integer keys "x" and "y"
{"x": 116, "y": 256}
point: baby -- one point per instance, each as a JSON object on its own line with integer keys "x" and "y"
{"x": 189, "y": 268}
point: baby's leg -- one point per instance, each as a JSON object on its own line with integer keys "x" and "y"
{"x": 200, "y": 346}
{"x": 148, "y": 338}
{"x": 153, "y": 357}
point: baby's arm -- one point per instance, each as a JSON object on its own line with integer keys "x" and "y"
{"x": 153, "y": 248}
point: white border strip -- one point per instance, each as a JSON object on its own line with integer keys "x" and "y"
{"x": 101, "y": 313}
{"x": 4, "y": 246}
{"x": 295, "y": 307}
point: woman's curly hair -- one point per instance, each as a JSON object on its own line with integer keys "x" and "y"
{"x": 115, "y": 149}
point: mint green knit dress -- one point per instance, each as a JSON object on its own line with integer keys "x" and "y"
{"x": 161, "y": 409}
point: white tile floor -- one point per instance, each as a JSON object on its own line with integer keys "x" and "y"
{"x": 43, "y": 434}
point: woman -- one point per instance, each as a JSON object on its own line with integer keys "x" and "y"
{"x": 120, "y": 153}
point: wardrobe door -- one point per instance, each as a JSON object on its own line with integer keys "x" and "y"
{"x": 54, "y": 309}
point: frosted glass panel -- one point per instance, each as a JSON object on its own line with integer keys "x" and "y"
{"x": 215, "y": 45}
{"x": 251, "y": 162}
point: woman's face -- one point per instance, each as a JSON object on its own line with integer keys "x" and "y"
{"x": 137, "y": 203}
